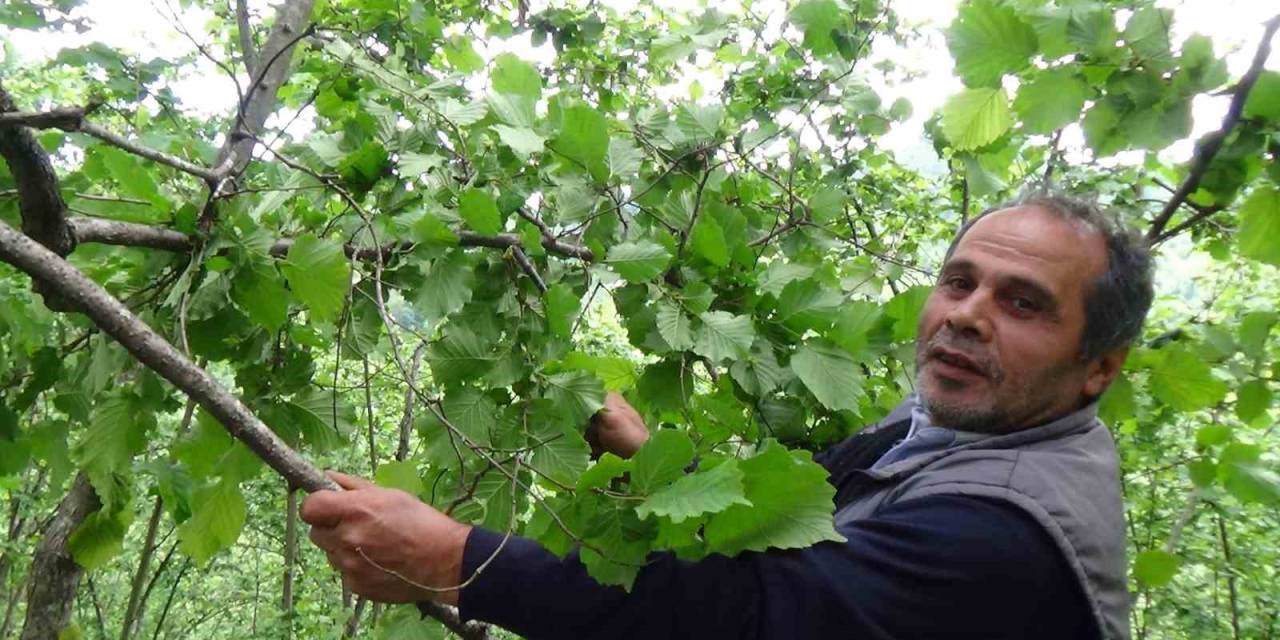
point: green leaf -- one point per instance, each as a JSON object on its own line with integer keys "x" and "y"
{"x": 1255, "y": 328}
{"x": 1253, "y": 398}
{"x": 405, "y": 622}
{"x": 806, "y": 305}
{"x": 707, "y": 241}
{"x": 638, "y": 261}
{"x": 216, "y": 523}
{"x": 446, "y": 286}
{"x": 560, "y": 304}
{"x": 577, "y": 396}
{"x": 584, "y": 140}
{"x": 1251, "y": 483}
{"x": 1118, "y": 402}
{"x": 660, "y": 461}
{"x": 480, "y": 211}
{"x": 511, "y": 75}
{"x": 399, "y": 474}
{"x": 790, "y": 506}
{"x": 723, "y": 336}
{"x": 1053, "y": 99}
{"x": 1264, "y": 98}
{"x": 976, "y": 117}
{"x": 259, "y": 293}
{"x": 675, "y": 327}
{"x": 100, "y": 536}
{"x": 522, "y": 140}
{"x": 1212, "y": 435}
{"x": 605, "y": 469}
{"x": 117, "y": 432}
{"x": 463, "y": 114}
{"x": 459, "y": 52}
{"x": 617, "y": 373}
{"x": 1155, "y": 568}
{"x": 562, "y": 456}
{"x": 698, "y": 494}
{"x": 459, "y": 356}
{"x": 759, "y": 373}
{"x": 818, "y": 18}
{"x": 1147, "y": 33}
{"x": 830, "y": 374}
{"x": 472, "y": 411}
{"x": 1259, "y": 234}
{"x": 987, "y": 41}
{"x": 827, "y": 204}
{"x": 905, "y": 309}
{"x": 1183, "y": 381}
{"x": 624, "y": 159}
{"x": 319, "y": 274}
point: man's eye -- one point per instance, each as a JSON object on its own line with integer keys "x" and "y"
{"x": 956, "y": 282}
{"x": 1024, "y": 304}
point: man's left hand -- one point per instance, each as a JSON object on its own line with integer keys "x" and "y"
{"x": 371, "y": 534}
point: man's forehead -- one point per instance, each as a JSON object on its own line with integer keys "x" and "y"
{"x": 1037, "y": 239}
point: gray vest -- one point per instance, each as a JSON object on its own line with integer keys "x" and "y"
{"x": 1065, "y": 474}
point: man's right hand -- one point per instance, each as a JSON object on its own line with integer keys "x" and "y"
{"x": 616, "y": 428}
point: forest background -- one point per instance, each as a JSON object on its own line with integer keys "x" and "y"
{"x": 420, "y": 240}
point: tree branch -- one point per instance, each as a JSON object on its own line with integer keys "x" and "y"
{"x": 44, "y": 212}
{"x": 110, "y": 315}
{"x": 247, "y": 49}
{"x": 1212, "y": 143}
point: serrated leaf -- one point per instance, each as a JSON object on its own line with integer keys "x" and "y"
{"x": 446, "y": 286}
{"x": 584, "y": 140}
{"x": 1253, "y": 398}
{"x": 806, "y": 305}
{"x": 817, "y": 19}
{"x": 624, "y": 158}
{"x": 1183, "y": 381}
{"x": 258, "y": 291}
{"x": 1053, "y": 99}
{"x": 511, "y": 75}
{"x": 607, "y": 468}
{"x": 987, "y": 41}
{"x": 117, "y": 432}
{"x": 562, "y": 457}
{"x": 399, "y": 474}
{"x": 674, "y": 326}
{"x": 638, "y": 261}
{"x": 723, "y": 336}
{"x": 472, "y": 411}
{"x": 100, "y": 536}
{"x": 522, "y": 140}
{"x": 577, "y": 396}
{"x": 707, "y": 240}
{"x": 463, "y": 114}
{"x": 480, "y": 211}
{"x": 698, "y": 494}
{"x": 790, "y": 506}
{"x": 1251, "y": 483}
{"x": 1155, "y": 567}
{"x": 319, "y": 274}
{"x": 560, "y": 304}
{"x": 1259, "y": 233}
{"x": 759, "y": 373}
{"x": 830, "y": 374}
{"x": 410, "y": 164}
{"x": 976, "y": 117}
{"x": 459, "y": 356}
{"x": 660, "y": 461}
{"x": 1264, "y": 98}
{"x": 216, "y": 523}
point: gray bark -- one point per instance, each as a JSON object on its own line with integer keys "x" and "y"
{"x": 110, "y": 315}
{"x": 55, "y": 576}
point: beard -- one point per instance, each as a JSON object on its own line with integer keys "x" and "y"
{"x": 1011, "y": 401}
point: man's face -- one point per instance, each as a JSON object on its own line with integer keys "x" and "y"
{"x": 1000, "y": 335}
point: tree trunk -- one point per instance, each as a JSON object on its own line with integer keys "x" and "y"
{"x": 290, "y": 557}
{"x": 55, "y": 576}
{"x": 140, "y": 575}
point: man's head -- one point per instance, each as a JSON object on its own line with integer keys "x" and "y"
{"x": 1032, "y": 315}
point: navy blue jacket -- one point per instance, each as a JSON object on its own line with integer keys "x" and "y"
{"x": 936, "y": 567}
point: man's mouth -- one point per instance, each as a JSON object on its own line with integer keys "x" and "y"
{"x": 955, "y": 362}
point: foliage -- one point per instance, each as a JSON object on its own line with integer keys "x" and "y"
{"x": 482, "y": 245}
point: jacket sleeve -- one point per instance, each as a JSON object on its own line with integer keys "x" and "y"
{"x": 930, "y": 567}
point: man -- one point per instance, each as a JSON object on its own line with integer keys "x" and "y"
{"x": 987, "y": 505}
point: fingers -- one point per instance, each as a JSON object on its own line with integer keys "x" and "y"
{"x": 350, "y": 483}
{"x": 323, "y": 509}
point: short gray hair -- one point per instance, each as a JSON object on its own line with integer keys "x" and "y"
{"x": 1117, "y": 303}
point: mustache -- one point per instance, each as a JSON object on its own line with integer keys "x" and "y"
{"x": 968, "y": 348}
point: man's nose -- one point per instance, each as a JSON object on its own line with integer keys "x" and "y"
{"x": 971, "y": 315}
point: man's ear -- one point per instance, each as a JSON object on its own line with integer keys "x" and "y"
{"x": 1102, "y": 370}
